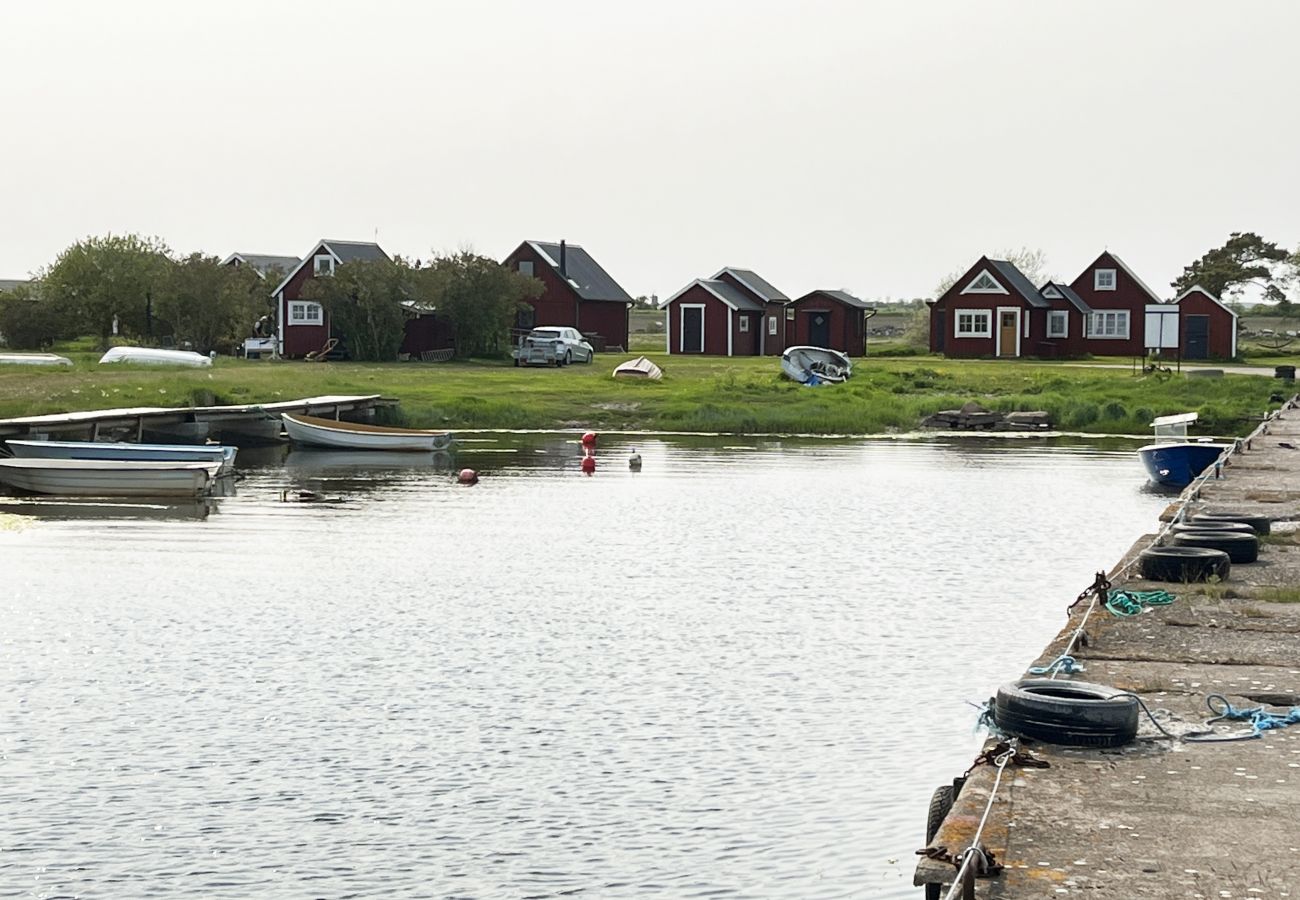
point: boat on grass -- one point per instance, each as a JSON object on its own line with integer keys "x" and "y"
{"x": 121, "y": 450}
{"x": 638, "y": 368}
{"x": 151, "y": 356}
{"x": 109, "y": 477}
{"x": 1173, "y": 460}
{"x": 815, "y": 365}
{"x": 34, "y": 359}
{"x": 311, "y": 431}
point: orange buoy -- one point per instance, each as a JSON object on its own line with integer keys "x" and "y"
{"x": 589, "y": 464}
{"x": 467, "y": 476}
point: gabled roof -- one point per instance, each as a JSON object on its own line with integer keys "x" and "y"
{"x": 1155, "y": 298}
{"x": 723, "y": 291}
{"x": 1014, "y": 279}
{"x": 1197, "y": 289}
{"x": 842, "y": 296}
{"x": 759, "y": 286}
{"x": 342, "y": 251}
{"x": 581, "y": 271}
{"x": 1053, "y": 290}
{"x": 262, "y": 262}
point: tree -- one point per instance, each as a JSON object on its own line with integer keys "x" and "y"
{"x": 30, "y": 321}
{"x": 1033, "y": 263}
{"x": 480, "y": 296}
{"x": 364, "y": 302}
{"x": 106, "y": 279}
{"x": 209, "y": 305}
{"x": 1244, "y": 259}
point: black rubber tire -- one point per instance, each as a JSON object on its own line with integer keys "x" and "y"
{"x": 1072, "y": 713}
{"x": 568, "y": 357}
{"x": 1183, "y": 565}
{"x": 1261, "y": 524}
{"x": 1234, "y": 527}
{"x": 940, "y": 805}
{"x": 1241, "y": 548}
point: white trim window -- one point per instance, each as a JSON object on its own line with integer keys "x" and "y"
{"x": 526, "y": 267}
{"x": 1109, "y": 324}
{"x": 1058, "y": 324}
{"x": 744, "y": 324}
{"x": 771, "y": 325}
{"x": 1103, "y": 279}
{"x": 323, "y": 264}
{"x": 301, "y": 313}
{"x": 984, "y": 283}
{"x": 969, "y": 323}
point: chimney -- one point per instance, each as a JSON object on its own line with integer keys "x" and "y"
{"x": 564, "y": 270}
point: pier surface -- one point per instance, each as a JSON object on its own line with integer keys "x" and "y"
{"x": 1167, "y": 818}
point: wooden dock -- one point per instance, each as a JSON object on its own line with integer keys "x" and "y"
{"x": 89, "y": 424}
{"x": 1164, "y": 818}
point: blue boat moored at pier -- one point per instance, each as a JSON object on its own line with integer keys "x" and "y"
{"x": 1173, "y": 460}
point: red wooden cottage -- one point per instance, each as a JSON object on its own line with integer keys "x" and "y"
{"x": 1118, "y": 299}
{"x": 991, "y": 310}
{"x": 836, "y": 320}
{"x": 734, "y": 313}
{"x": 303, "y": 325}
{"x": 578, "y": 292}
{"x": 1207, "y": 328}
{"x": 1067, "y": 320}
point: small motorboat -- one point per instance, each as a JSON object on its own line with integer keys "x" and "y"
{"x": 151, "y": 356}
{"x": 34, "y": 359}
{"x": 312, "y": 431}
{"x": 815, "y": 365}
{"x": 1173, "y": 460}
{"x": 120, "y": 450}
{"x": 638, "y": 368}
{"x": 109, "y": 477}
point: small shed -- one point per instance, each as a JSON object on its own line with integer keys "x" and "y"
{"x": 712, "y": 317}
{"x": 835, "y": 320}
{"x": 1208, "y": 328}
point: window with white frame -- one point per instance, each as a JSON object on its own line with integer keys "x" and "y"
{"x": 304, "y": 313}
{"x": 771, "y": 325}
{"x": 526, "y": 267}
{"x": 744, "y": 324}
{"x": 1058, "y": 324}
{"x": 1108, "y": 324}
{"x": 984, "y": 283}
{"x": 1103, "y": 279}
{"x": 973, "y": 323}
{"x": 324, "y": 264}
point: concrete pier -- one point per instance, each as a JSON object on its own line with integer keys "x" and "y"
{"x": 1165, "y": 818}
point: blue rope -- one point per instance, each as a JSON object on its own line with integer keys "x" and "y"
{"x": 1260, "y": 719}
{"x": 1132, "y": 603}
{"x": 1066, "y": 663}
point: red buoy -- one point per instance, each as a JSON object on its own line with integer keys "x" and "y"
{"x": 589, "y": 439}
{"x": 467, "y": 476}
{"x": 589, "y": 464}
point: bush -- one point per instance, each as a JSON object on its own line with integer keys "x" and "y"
{"x": 1114, "y": 411}
{"x": 1082, "y": 414}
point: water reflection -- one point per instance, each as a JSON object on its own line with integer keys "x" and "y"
{"x": 66, "y": 508}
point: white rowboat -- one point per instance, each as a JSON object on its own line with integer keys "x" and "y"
{"x": 34, "y": 359}
{"x": 315, "y": 432}
{"x": 154, "y": 357}
{"x": 118, "y": 450}
{"x": 108, "y": 477}
{"x": 638, "y": 368}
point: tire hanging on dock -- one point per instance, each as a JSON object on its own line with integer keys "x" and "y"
{"x": 1071, "y": 713}
{"x": 1236, "y": 527}
{"x": 1261, "y": 524}
{"x": 1183, "y": 564}
{"x": 1241, "y": 548}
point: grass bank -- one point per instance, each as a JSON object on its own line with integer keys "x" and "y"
{"x": 742, "y": 395}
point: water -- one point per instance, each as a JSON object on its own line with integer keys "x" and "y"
{"x": 737, "y": 673}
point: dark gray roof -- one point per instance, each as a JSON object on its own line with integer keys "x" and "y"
{"x": 1016, "y": 280}
{"x": 265, "y": 262}
{"x": 756, "y": 283}
{"x": 583, "y": 273}
{"x": 1068, "y": 293}
{"x": 738, "y": 299}
{"x": 843, "y": 297}
{"x": 351, "y": 251}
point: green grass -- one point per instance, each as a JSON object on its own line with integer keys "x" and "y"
{"x": 1278, "y": 595}
{"x": 739, "y": 395}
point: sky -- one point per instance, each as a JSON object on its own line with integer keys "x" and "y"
{"x": 867, "y": 146}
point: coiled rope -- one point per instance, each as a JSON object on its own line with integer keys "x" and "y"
{"x": 1132, "y": 603}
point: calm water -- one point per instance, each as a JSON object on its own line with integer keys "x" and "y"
{"x": 737, "y": 673}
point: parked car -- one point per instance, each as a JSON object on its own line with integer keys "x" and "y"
{"x": 553, "y": 345}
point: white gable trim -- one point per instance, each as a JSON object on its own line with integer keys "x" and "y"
{"x": 1197, "y": 289}
{"x": 227, "y": 261}
{"x": 702, "y": 283}
{"x": 1051, "y": 293}
{"x": 311, "y": 255}
{"x": 985, "y": 273}
{"x": 749, "y": 287}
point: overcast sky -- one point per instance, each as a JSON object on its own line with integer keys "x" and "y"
{"x": 868, "y": 146}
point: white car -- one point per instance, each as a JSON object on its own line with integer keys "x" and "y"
{"x": 556, "y": 343}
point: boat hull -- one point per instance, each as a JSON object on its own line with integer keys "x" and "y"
{"x": 1177, "y": 465}
{"x": 638, "y": 368}
{"x": 310, "y": 431}
{"x": 34, "y": 359}
{"x": 108, "y": 478}
{"x": 816, "y": 364}
{"x": 150, "y": 356}
{"x": 117, "y": 450}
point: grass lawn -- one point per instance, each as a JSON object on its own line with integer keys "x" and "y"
{"x": 738, "y": 395}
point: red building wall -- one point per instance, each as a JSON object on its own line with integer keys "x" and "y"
{"x": 1073, "y": 344}
{"x": 559, "y": 304}
{"x": 299, "y": 340}
{"x": 847, "y": 331}
{"x": 1128, "y": 295}
{"x": 715, "y": 321}
{"x": 1221, "y": 323}
{"x": 427, "y": 332}
{"x": 953, "y": 301}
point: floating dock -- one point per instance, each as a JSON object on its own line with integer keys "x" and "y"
{"x": 90, "y": 423}
{"x": 1162, "y": 818}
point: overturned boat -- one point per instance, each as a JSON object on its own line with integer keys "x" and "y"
{"x": 815, "y": 365}
{"x": 311, "y": 431}
{"x": 33, "y": 359}
{"x": 641, "y": 367}
{"x": 151, "y": 356}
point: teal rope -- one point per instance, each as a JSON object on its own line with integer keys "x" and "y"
{"x": 1065, "y": 663}
{"x": 1132, "y": 603}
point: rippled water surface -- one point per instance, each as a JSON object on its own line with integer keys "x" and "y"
{"x": 737, "y": 673}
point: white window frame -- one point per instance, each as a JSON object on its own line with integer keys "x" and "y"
{"x": 771, "y": 325}
{"x": 1055, "y": 316}
{"x": 1096, "y": 279}
{"x": 681, "y": 326}
{"x": 318, "y": 269}
{"x": 306, "y": 309}
{"x": 526, "y": 267}
{"x": 996, "y": 287}
{"x": 744, "y": 324}
{"x": 974, "y": 330}
{"x": 1097, "y": 325}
